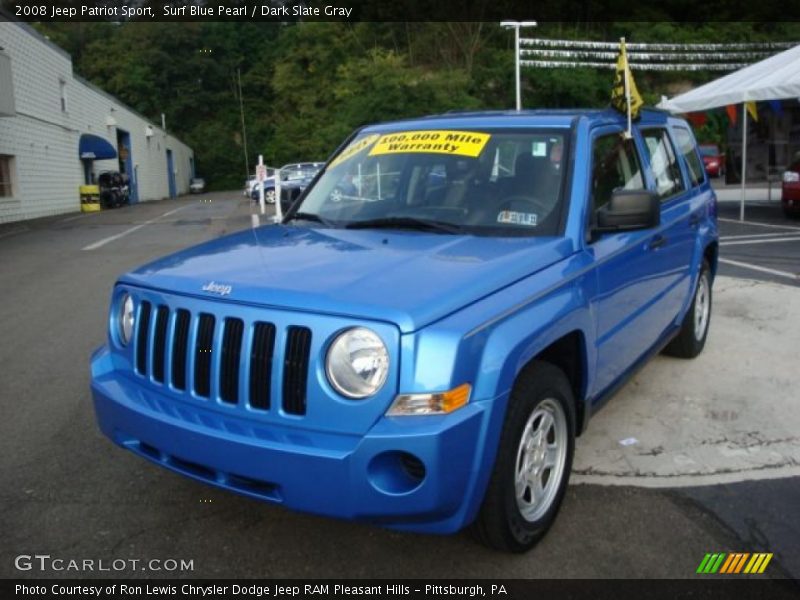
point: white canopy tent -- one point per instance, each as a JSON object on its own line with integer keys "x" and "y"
{"x": 774, "y": 78}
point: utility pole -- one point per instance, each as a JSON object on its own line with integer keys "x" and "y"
{"x": 516, "y": 25}
{"x": 244, "y": 129}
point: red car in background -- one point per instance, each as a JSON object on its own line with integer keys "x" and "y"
{"x": 713, "y": 160}
{"x": 790, "y": 190}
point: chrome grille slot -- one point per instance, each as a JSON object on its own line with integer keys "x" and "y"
{"x": 203, "y": 351}
{"x": 261, "y": 355}
{"x": 230, "y": 359}
{"x": 180, "y": 345}
{"x": 142, "y": 338}
{"x": 160, "y": 343}
{"x": 295, "y": 369}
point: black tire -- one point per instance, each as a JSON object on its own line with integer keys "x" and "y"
{"x": 501, "y": 523}
{"x": 689, "y": 342}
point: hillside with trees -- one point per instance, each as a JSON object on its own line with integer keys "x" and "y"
{"x": 305, "y": 86}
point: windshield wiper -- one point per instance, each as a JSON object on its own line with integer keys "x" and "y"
{"x": 405, "y": 223}
{"x": 306, "y": 216}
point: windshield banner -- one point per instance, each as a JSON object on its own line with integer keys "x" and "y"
{"x": 353, "y": 149}
{"x": 457, "y": 143}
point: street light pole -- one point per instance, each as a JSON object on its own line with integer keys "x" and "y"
{"x": 516, "y": 25}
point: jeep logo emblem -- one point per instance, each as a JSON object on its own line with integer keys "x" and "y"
{"x": 217, "y": 288}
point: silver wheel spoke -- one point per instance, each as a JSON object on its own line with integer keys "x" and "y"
{"x": 521, "y": 484}
{"x": 551, "y": 456}
{"x": 537, "y": 489}
{"x": 545, "y": 424}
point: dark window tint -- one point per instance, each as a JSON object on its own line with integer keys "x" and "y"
{"x": 615, "y": 165}
{"x": 688, "y": 148}
{"x": 665, "y": 167}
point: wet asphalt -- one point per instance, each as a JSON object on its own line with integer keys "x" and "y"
{"x": 68, "y": 492}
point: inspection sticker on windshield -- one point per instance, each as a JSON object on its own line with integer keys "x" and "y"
{"x": 456, "y": 143}
{"x": 517, "y": 218}
{"x": 353, "y": 149}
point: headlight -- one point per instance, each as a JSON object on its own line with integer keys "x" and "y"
{"x": 357, "y": 363}
{"x": 791, "y": 176}
{"x": 126, "y": 317}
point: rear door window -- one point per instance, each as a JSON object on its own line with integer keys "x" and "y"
{"x": 666, "y": 170}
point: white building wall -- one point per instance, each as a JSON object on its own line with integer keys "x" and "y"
{"x": 44, "y": 140}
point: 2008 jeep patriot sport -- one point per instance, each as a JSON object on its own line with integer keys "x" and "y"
{"x": 420, "y": 340}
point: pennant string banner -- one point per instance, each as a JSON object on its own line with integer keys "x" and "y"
{"x": 543, "y": 53}
{"x": 661, "y": 56}
{"x": 636, "y": 66}
{"x": 753, "y": 46}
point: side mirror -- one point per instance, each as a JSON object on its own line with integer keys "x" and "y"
{"x": 629, "y": 209}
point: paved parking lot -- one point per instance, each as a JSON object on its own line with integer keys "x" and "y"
{"x": 714, "y": 467}
{"x": 766, "y": 246}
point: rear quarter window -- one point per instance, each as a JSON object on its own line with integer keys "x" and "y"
{"x": 688, "y": 148}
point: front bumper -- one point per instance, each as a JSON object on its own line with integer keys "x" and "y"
{"x": 365, "y": 478}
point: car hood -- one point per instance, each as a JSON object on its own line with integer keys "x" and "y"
{"x": 404, "y": 277}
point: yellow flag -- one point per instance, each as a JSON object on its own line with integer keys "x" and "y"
{"x": 751, "y": 108}
{"x": 619, "y": 99}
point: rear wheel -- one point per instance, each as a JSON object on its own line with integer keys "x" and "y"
{"x": 533, "y": 462}
{"x": 694, "y": 330}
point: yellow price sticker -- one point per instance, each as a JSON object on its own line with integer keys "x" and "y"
{"x": 455, "y": 143}
{"x": 353, "y": 149}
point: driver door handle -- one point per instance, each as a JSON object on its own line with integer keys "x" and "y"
{"x": 658, "y": 242}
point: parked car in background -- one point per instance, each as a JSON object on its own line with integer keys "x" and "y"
{"x": 421, "y": 351}
{"x": 197, "y": 185}
{"x": 790, "y": 191}
{"x": 713, "y": 160}
{"x": 249, "y": 184}
{"x": 295, "y": 177}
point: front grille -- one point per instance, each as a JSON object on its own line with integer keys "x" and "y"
{"x": 180, "y": 345}
{"x": 142, "y": 338}
{"x": 209, "y": 354}
{"x": 229, "y": 367}
{"x": 159, "y": 341}
{"x": 261, "y": 365}
{"x": 204, "y": 347}
{"x": 295, "y": 370}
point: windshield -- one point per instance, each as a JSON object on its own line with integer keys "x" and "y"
{"x": 300, "y": 171}
{"x": 483, "y": 182}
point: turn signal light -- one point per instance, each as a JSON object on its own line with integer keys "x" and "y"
{"x": 438, "y": 403}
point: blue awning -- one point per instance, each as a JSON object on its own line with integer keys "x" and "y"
{"x": 93, "y": 147}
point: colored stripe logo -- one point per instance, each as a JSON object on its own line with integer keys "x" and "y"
{"x": 734, "y": 563}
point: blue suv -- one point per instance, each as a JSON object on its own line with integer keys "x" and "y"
{"x": 420, "y": 341}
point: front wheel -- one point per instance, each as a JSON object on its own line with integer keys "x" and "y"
{"x": 533, "y": 462}
{"x": 691, "y": 338}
